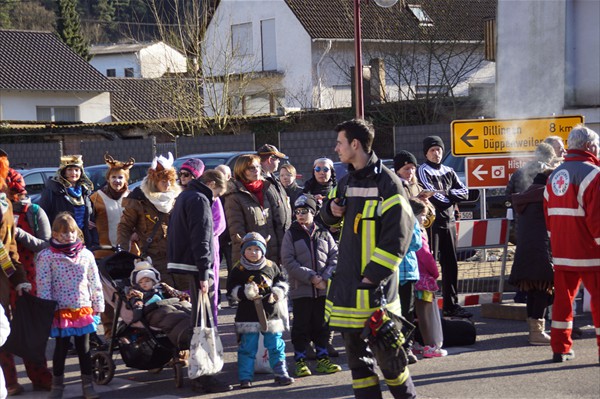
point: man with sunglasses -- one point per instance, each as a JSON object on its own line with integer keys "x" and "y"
{"x": 377, "y": 225}
{"x": 270, "y": 157}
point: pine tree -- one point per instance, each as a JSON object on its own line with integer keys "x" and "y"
{"x": 68, "y": 27}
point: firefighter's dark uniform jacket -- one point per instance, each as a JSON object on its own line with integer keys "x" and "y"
{"x": 376, "y": 232}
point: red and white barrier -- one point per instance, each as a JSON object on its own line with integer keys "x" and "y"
{"x": 482, "y": 233}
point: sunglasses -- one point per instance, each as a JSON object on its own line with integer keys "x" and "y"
{"x": 185, "y": 174}
{"x": 302, "y": 211}
{"x": 324, "y": 169}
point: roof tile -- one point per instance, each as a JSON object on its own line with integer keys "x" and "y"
{"x": 40, "y": 61}
{"x": 452, "y": 19}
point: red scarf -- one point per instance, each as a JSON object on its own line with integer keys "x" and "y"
{"x": 256, "y": 188}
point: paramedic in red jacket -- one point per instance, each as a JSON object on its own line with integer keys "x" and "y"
{"x": 572, "y": 208}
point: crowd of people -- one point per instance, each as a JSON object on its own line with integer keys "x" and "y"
{"x": 358, "y": 255}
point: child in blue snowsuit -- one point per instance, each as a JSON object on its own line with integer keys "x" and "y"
{"x": 259, "y": 286}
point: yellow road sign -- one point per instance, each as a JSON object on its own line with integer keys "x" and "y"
{"x": 501, "y": 136}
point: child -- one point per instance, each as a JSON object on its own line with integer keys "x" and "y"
{"x": 430, "y": 323}
{"x": 309, "y": 255}
{"x": 67, "y": 273}
{"x": 162, "y": 306}
{"x": 259, "y": 286}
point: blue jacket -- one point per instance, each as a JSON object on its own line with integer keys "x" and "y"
{"x": 190, "y": 232}
{"x": 409, "y": 268}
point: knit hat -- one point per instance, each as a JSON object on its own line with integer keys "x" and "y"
{"x": 193, "y": 165}
{"x": 114, "y": 165}
{"x": 143, "y": 268}
{"x": 416, "y": 205}
{"x": 254, "y": 238}
{"x": 306, "y": 201}
{"x": 269, "y": 149}
{"x": 15, "y": 182}
{"x": 324, "y": 160}
{"x": 402, "y": 158}
{"x": 430, "y": 141}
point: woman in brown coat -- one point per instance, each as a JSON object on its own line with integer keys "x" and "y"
{"x": 253, "y": 205}
{"x": 146, "y": 217}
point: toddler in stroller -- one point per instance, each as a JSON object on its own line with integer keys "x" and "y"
{"x": 151, "y": 324}
{"x": 162, "y": 306}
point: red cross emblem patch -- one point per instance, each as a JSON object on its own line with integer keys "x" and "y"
{"x": 560, "y": 182}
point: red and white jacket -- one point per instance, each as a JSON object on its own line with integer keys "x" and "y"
{"x": 572, "y": 208}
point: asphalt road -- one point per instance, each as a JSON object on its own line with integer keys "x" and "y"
{"x": 501, "y": 364}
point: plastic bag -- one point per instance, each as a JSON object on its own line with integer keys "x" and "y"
{"x": 206, "y": 349}
{"x": 261, "y": 362}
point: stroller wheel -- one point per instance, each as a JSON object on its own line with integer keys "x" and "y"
{"x": 178, "y": 369}
{"x": 103, "y": 368}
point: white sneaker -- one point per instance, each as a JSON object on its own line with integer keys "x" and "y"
{"x": 434, "y": 351}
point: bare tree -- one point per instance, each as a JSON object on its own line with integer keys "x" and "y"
{"x": 220, "y": 75}
{"x": 432, "y": 67}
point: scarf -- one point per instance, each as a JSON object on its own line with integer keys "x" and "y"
{"x": 312, "y": 186}
{"x": 256, "y": 188}
{"x": 70, "y": 250}
{"x": 74, "y": 195}
{"x": 253, "y": 266}
{"x": 112, "y": 193}
{"x": 163, "y": 202}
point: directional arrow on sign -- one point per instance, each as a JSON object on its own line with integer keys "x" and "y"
{"x": 477, "y": 172}
{"x": 466, "y": 138}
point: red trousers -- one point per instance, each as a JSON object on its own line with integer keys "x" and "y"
{"x": 566, "y": 285}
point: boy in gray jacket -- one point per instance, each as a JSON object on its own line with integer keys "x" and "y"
{"x": 309, "y": 254}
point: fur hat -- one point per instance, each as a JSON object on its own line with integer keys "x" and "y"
{"x": 71, "y": 160}
{"x": 15, "y": 182}
{"x": 254, "y": 238}
{"x": 114, "y": 165}
{"x": 306, "y": 201}
{"x": 143, "y": 268}
{"x": 402, "y": 158}
{"x": 67, "y": 161}
{"x": 193, "y": 165}
{"x": 430, "y": 141}
{"x": 161, "y": 169}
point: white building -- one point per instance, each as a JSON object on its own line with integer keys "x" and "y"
{"x": 298, "y": 53}
{"x": 42, "y": 79}
{"x": 138, "y": 60}
{"x": 548, "y": 59}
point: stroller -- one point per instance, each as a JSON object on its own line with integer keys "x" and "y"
{"x": 141, "y": 346}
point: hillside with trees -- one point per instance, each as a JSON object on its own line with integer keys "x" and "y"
{"x": 102, "y": 21}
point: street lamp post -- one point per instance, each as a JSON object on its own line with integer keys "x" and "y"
{"x": 359, "y": 104}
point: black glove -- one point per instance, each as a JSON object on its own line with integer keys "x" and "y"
{"x": 138, "y": 312}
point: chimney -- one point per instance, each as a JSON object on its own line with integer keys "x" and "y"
{"x": 377, "y": 92}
